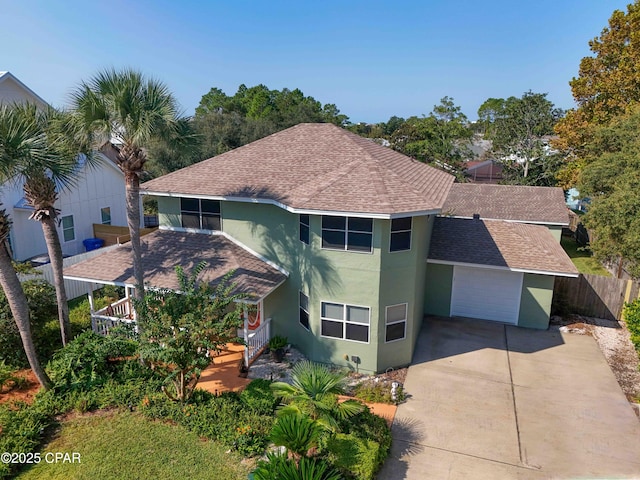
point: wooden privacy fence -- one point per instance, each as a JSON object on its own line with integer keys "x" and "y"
{"x": 594, "y": 295}
{"x": 74, "y": 288}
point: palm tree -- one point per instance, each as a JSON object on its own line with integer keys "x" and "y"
{"x": 128, "y": 110}
{"x": 18, "y": 301}
{"x": 35, "y": 149}
{"x": 314, "y": 392}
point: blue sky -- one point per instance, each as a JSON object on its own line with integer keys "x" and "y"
{"x": 373, "y": 59}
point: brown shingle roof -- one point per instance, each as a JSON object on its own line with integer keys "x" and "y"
{"x": 497, "y": 243}
{"x": 163, "y": 250}
{"x": 507, "y": 202}
{"x": 315, "y": 167}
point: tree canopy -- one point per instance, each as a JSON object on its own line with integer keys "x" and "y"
{"x": 611, "y": 178}
{"x": 520, "y": 129}
{"x": 441, "y": 138}
{"x": 608, "y": 85}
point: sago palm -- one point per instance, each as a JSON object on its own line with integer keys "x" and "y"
{"x": 37, "y": 150}
{"x": 18, "y": 301}
{"x": 128, "y": 110}
{"x": 314, "y": 391}
{"x": 297, "y": 433}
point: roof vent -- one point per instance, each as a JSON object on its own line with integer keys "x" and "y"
{"x": 476, "y": 216}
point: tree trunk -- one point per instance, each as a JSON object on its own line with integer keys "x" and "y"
{"x": 55, "y": 255}
{"x": 133, "y": 221}
{"x": 20, "y": 311}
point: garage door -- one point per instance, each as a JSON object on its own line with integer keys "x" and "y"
{"x": 485, "y": 293}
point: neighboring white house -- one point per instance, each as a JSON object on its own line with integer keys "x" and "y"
{"x": 98, "y": 196}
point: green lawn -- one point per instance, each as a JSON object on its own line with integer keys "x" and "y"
{"x": 124, "y": 445}
{"x": 582, "y": 259}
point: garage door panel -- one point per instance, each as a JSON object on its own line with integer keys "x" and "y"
{"x": 486, "y": 294}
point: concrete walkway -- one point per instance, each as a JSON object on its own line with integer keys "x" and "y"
{"x": 491, "y": 401}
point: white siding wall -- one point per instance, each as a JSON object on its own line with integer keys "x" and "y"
{"x": 100, "y": 186}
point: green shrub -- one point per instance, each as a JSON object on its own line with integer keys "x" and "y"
{"x": 22, "y": 428}
{"x": 41, "y": 298}
{"x": 632, "y": 319}
{"x": 85, "y": 362}
{"x": 367, "y": 425}
{"x": 224, "y": 418}
{"x": 355, "y": 457}
{"x": 379, "y": 392}
{"x": 258, "y": 398}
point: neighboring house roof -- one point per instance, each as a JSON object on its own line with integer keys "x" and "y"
{"x": 30, "y": 94}
{"x": 487, "y": 171}
{"x": 499, "y": 244}
{"x": 314, "y": 168}
{"x": 507, "y": 202}
{"x": 163, "y": 250}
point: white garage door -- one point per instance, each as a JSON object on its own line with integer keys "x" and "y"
{"x": 485, "y": 293}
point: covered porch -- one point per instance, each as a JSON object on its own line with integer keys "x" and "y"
{"x": 162, "y": 251}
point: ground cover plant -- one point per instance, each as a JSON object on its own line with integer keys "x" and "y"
{"x": 582, "y": 258}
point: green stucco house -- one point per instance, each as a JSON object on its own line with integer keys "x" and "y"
{"x": 344, "y": 246}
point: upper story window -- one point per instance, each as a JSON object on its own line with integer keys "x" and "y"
{"x": 200, "y": 214}
{"x": 105, "y": 215}
{"x": 68, "y": 230}
{"x": 347, "y": 233}
{"x": 400, "y": 234}
{"x": 304, "y": 228}
{"x": 348, "y": 322}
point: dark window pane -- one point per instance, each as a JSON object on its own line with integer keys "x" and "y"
{"x": 357, "y": 332}
{"x": 331, "y": 329}
{"x": 304, "y": 319}
{"x": 210, "y": 222}
{"x": 401, "y": 224}
{"x": 304, "y": 301}
{"x": 360, "y": 242}
{"x": 400, "y": 241}
{"x": 211, "y": 206}
{"x": 395, "y": 331}
{"x": 190, "y": 220}
{"x": 190, "y": 204}
{"x": 304, "y": 233}
{"x": 332, "y": 239}
{"x": 304, "y": 219}
{"x": 361, "y": 224}
{"x": 335, "y": 223}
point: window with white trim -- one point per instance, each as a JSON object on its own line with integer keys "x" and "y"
{"x": 347, "y": 233}
{"x": 105, "y": 215}
{"x": 68, "y": 230}
{"x": 304, "y": 310}
{"x": 200, "y": 214}
{"x": 400, "y": 234}
{"x": 396, "y": 322}
{"x": 304, "y": 228}
{"x": 348, "y": 322}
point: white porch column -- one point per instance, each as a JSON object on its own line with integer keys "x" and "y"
{"x": 128, "y": 296}
{"x": 91, "y": 306}
{"x": 245, "y": 314}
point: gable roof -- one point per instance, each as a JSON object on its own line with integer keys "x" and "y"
{"x": 499, "y": 244}
{"x": 8, "y": 76}
{"x": 163, "y": 250}
{"x": 314, "y": 167}
{"x": 507, "y": 202}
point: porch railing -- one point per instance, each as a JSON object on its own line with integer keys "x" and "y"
{"x": 117, "y": 313}
{"x": 257, "y": 340}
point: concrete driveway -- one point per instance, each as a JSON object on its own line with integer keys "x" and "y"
{"x": 491, "y": 401}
